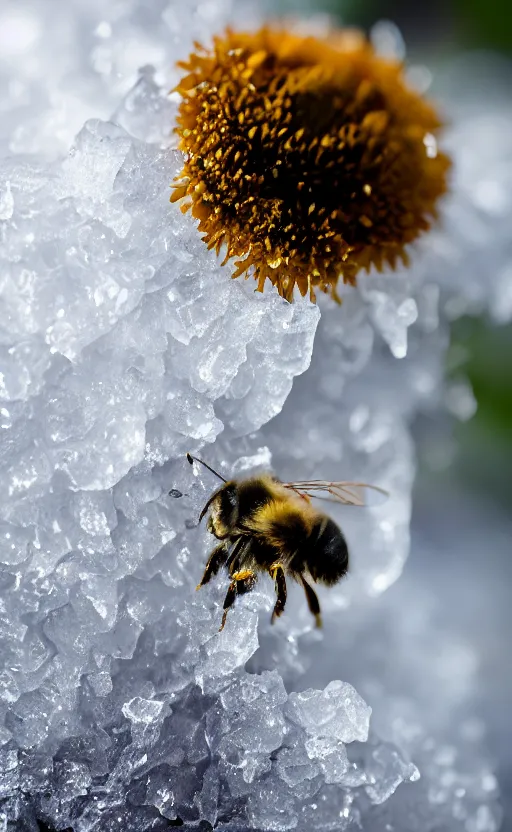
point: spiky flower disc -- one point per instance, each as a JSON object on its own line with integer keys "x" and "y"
{"x": 309, "y": 159}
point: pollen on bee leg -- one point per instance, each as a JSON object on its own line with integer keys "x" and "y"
{"x": 274, "y": 569}
{"x": 241, "y": 582}
{"x": 242, "y": 575}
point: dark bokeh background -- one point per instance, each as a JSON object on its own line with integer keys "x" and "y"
{"x": 436, "y": 24}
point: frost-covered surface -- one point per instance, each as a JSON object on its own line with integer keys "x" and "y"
{"x": 123, "y": 344}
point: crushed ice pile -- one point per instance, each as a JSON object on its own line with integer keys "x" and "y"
{"x": 123, "y": 344}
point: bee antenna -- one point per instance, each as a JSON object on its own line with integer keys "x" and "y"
{"x": 193, "y": 459}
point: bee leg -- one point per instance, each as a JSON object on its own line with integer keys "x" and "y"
{"x": 242, "y": 582}
{"x": 277, "y": 575}
{"x": 313, "y": 602}
{"x": 218, "y": 558}
{"x": 240, "y": 549}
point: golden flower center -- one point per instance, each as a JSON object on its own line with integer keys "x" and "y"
{"x": 308, "y": 159}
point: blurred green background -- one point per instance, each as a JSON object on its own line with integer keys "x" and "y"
{"x": 484, "y": 443}
{"x": 434, "y": 31}
{"x": 433, "y": 25}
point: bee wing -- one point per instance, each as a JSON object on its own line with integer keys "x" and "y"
{"x": 347, "y": 493}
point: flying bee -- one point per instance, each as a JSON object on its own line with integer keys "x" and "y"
{"x": 269, "y": 526}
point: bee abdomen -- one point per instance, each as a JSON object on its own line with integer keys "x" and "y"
{"x": 326, "y": 555}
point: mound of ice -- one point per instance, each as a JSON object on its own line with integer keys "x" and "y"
{"x": 124, "y": 344}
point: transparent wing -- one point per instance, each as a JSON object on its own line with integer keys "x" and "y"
{"x": 347, "y": 493}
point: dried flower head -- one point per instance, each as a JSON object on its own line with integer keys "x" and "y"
{"x": 309, "y": 159}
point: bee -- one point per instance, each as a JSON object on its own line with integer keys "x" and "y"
{"x": 268, "y": 526}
